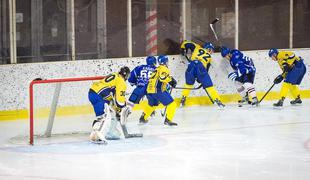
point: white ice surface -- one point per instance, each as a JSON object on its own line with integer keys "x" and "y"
{"x": 209, "y": 144}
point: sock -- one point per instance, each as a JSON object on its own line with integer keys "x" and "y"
{"x": 294, "y": 90}
{"x": 186, "y": 92}
{"x": 171, "y": 108}
{"x": 284, "y": 89}
{"x": 213, "y": 93}
{"x": 250, "y": 88}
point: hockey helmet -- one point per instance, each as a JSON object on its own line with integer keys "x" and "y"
{"x": 150, "y": 60}
{"x": 272, "y": 52}
{"x": 125, "y": 72}
{"x": 209, "y": 45}
{"x": 162, "y": 59}
{"x": 225, "y": 51}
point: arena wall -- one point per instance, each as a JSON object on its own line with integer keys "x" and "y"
{"x": 15, "y": 79}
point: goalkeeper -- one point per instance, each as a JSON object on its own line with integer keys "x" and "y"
{"x": 110, "y": 89}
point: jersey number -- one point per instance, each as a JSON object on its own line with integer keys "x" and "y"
{"x": 145, "y": 74}
{"x": 204, "y": 55}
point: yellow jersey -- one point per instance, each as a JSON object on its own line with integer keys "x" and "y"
{"x": 112, "y": 86}
{"x": 198, "y": 53}
{"x": 159, "y": 79}
{"x": 286, "y": 57}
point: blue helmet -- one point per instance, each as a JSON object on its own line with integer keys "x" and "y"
{"x": 273, "y": 51}
{"x": 162, "y": 59}
{"x": 225, "y": 51}
{"x": 209, "y": 45}
{"x": 150, "y": 60}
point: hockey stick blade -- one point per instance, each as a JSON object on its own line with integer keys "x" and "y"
{"x": 215, "y": 21}
{"x": 129, "y": 135}
{"x": 134, "y": 135}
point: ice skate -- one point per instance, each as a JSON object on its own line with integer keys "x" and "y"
{"x": 244, "y": 101}
{"x": 142, "y": 120}
{"x": 296, "y": 101}
{"x": 170, "y": 123}
{"x": 255, "y": 101}
{"x": 219, "y": 103}
{"x": 279, "y": 103}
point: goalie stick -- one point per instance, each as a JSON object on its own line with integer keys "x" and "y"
{"x": 125, "y": 130}
{"x": 130, "y": 135}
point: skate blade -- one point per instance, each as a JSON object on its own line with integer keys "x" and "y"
{"x": 278, "y": 107}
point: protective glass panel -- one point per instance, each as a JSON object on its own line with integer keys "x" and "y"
{"x": 116, "y": 28}
{"x": 301, "y": 24}
{"x": 86, "y": 29}
{"x": 4, "y": 33}
{"x": 54, "y": 45}
{"x": 23, "y": 31}
{"x": 263, "y": 24}
{"x": 203, "y": 12}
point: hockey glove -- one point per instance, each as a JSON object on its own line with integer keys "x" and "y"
{"x": 278, "y": 79}
{"x": 173, "y": 82}
{"x": 233, "y": 76}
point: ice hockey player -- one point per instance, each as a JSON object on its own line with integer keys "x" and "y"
{"x": 156, "y": 89}
{"x": 139, "y": 77}
{"x": 108, "y": 96}
{"x": 243, "y": 74}
{"x": 197, "y": 70}
{"x": 293, "y": 69}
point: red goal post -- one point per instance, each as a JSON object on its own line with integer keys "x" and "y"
{"x": 45, "y": 81}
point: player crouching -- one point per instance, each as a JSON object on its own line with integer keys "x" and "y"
{"x": 243, "y": 75}
{"x": 110, "y": 89}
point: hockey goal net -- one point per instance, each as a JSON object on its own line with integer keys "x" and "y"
{"x": 59, "y": 107}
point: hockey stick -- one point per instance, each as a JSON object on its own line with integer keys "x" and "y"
{"x": 267, "y": 92}
{"x": 209, "y": 96}
{"x": 212, "y": 28}
{"x": 129, "y": 135}
{"x": 194, "y": 88}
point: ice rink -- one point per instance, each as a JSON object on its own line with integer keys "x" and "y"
{"x": 236, "y": 143}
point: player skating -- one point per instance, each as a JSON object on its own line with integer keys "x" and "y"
{"x": 157, "y": 91}
{"x": 139, "y": 77}
{"x": 101, "y": 95}
{"x": 197, "y": 70}
{"x": 293, "y": 69}
{"x": 243, "y": 74}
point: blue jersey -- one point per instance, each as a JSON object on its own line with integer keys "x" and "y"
{"x": 241, "y": 64}
{"x": 140, "y": 75}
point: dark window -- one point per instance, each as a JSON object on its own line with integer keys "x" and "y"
{"x": 23, "y": 31}
{"x": 203, "y": 12}
{"x": 54, "y": 44}
{"x": 85, "y": 29}
{"x": 301, "y": 24}
{"x": 4, "y": 33}
{"x": 117, "y": 29}
{"x": 263, "y": 24}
